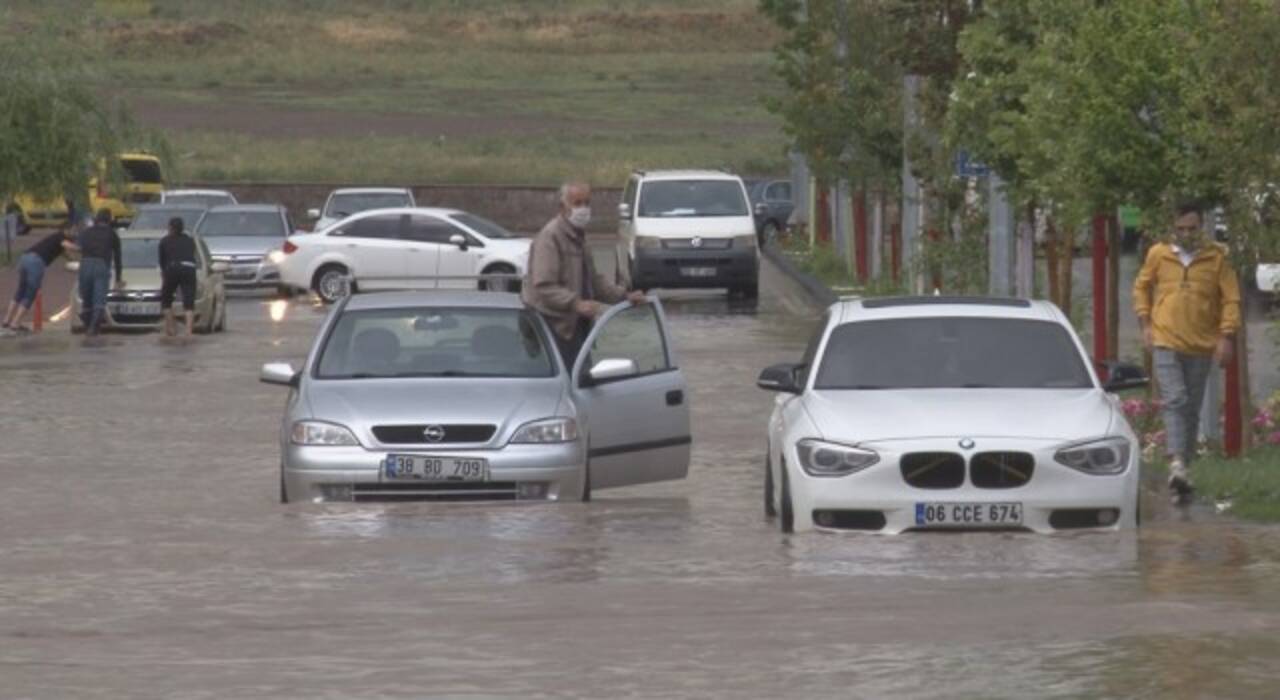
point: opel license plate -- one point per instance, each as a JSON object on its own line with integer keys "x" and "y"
{"x": 968, "y": 514}
{"x": 428, "y": 468}
{"x": 136, "y": 308}
{"x": 698, "y": 271}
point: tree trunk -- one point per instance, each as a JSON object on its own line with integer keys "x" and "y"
{"x": 1051, "y": 259}
{"x": 1066, "y": 258}
{"x": 1113, "y": 287}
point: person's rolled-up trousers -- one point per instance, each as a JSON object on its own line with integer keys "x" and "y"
{"x": 1182, "y": 380}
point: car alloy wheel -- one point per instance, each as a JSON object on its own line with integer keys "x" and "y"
{"x": 332, "y": 284}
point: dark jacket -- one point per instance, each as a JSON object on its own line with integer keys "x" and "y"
{"x": 177, "y": 250}
{"x": 101, "y": 241}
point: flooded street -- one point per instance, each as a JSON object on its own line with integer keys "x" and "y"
{"x": 143, "y": 554}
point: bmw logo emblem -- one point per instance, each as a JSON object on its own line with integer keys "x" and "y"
{"x": 967, "y": 444}
{"x": 433, "y": 433}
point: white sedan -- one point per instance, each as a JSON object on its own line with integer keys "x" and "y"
{"x": 935, "y": 412}
{"x": 411, "y": 247}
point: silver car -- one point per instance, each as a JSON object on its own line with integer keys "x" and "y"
{"x": 463, "y": 396}
{"x": 241, "y": 235}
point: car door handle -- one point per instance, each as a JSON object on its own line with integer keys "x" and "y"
{"x": 675, "y": 398}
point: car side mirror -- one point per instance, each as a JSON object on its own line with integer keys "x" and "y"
{"x": 459, "y": 240}
{"x": 761, "y": 209}
{"x": 614, "y": 368}
{"x": 73, "y": 266}
{"x": 1123, "y": 377}
{"x": 313, "y": 214}
{"x": 781, "y": 378}
{"x": 220, "y": 268}
{"x": 280, "y": 373}
{"x": 624, "y": 211}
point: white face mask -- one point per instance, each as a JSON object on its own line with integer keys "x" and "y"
{"x": 579, "y": 217}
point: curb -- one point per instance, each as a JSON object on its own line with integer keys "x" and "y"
{"x": 820, "y": 293}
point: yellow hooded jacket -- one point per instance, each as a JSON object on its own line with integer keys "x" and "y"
{"x": 1190, "y": 307}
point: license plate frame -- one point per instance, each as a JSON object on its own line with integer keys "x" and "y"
{"x": 134, "y": 308}
{"x": 951, "y": 514}
{"x": 698, "y": 272}
{"x": 417, "y": 467}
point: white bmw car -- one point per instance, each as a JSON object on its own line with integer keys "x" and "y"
{"x": 939, "y": 413}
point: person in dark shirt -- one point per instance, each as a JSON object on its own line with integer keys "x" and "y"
{"x": 178, "y": 265}
{"x": 31, "y": 267}
{"x": 99, "y": 249}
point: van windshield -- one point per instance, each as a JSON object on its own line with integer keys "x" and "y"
{"x": 670, "y": 198}
{"x": 141, "y": 170}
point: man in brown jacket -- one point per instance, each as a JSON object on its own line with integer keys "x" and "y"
{"x": 562, "y": 283}
{"x": 1187, "y": 299}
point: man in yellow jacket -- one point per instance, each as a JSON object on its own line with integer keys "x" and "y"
{"x": 1188, "y": 301}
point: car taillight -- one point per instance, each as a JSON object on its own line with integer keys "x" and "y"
{"x": 289, "y": 247}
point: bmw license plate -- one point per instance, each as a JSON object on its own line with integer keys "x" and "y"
{"x": 428, "y": 468}
{"x": 968, "y": 514}
{"x": 698, "y": 271}
{"x": 136, "y": 308}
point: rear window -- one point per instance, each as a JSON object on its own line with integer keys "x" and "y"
{"x": 200, "y": 200}
{"x": 344, "y": 205}
{"x": 152, "y": 218}
{"x": 952, "y": 353}
{"x": 435, "y": 342}
{"x": 141, "y": 170}
{"x": 242, "y": 223}
{"x": 661, "y": 198}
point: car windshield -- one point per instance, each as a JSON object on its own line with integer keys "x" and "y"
{"x": 952, "y": 353}
{"x": 141, "y": 170}
{"x": 140, "y": 253}
{"x": 242, "y": 223}
{"x": 692, "y": 198}
{"x": 157, "y": 218}
{"x": 483, "y": 226}
{"x": 435, "y": 342}
{"x": 344, "y": 205}
{"x": 206, "y": 200}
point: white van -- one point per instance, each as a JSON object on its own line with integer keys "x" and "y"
{"x": 689, "y": 229}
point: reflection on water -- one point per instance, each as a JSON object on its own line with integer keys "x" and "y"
{"x": 144, "y": 555}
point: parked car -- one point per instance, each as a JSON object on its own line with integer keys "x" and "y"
{"x": 936, "y": 412}
{"x": 155, "y": 217}
{"x": 353, "y": 200}
{"x": 241, "y": 235}
{"x": 143, "y": 183}
{"x": 40, "y": 212}
{"x": 203, "y": 198}
{"x": 137, "y": 305}
{"x": 687, "y": 228}
{"x": 771, "y": 205}
{"x": 426, "y": 248}
{"x": 456, "y": 395}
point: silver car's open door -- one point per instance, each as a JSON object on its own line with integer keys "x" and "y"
{"x": 633, "y": 399}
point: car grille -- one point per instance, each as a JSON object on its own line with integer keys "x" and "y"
{"x": 933, "y": 470}
{"x": 133, "y": 296}
{"x": 702, "y": 262}
{"x": 416, "y": 434}
{"x": 703, "y": 243}
{"x": 850, "y": 519}
{"x": 436, "y": 491}
{"x": 1001, "y": 470}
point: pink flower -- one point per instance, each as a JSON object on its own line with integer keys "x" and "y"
{"x": 1274, "y": 438}
{"x": 1264, "y": 419}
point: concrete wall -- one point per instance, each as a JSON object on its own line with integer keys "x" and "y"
{"x": 521, "y": 208}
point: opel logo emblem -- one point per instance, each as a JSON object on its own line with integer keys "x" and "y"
{"x": 696, "y": 242}
{"x": 967, "y": 444}
{"x": 433, "y": 433}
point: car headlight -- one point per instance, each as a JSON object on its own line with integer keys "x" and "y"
{"x": 744, "y": 241}
{"x": 648, "y": 242}
{"x": 1102, "y": 457}
{"x": 821, "y": 458}
{"x": 276, "y": 257}
{"x": 320, "y": 433}
{"x": 549, "y": 430}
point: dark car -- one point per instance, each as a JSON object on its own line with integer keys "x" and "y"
{"x": 771, "y": 204}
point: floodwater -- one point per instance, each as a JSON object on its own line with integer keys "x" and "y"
{"x": 143, "y": 555}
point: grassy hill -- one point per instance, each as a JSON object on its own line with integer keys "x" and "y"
{"x": 437, "y": 91}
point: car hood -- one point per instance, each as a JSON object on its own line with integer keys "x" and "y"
{"x": 687, "y": 227}
{"x": 138, "y": 279}
{"x": 243, "y": 245}
{"x": 361, "y": 404}
{"x": 869, "y": 416}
